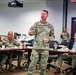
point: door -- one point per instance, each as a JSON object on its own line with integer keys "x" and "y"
{"x": 73, "y": 27}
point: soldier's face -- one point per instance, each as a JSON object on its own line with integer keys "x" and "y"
{"x": 10, "y": 35}
{"x": 65, "y": 29}
{"x": 44, "y": 15}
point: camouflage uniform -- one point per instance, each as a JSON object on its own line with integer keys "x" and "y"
{"x": 41, "y": 31}
{"x": 65, "y": 36}
{"x": 0, "y": 43}
{"x": 3, "y": 57}
{"x": 12, "y": 43}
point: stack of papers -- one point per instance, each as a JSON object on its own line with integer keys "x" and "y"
{"x": 66, "y": 49}
{"x": 29, "y": 47}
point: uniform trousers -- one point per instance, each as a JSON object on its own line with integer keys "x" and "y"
{"x": 43, "y": 61}
{"x": 66, "y": 56}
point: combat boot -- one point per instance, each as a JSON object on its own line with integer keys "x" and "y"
{"x": 20, "y": 67}
{"x": 10, "y": 68}
{"x": 19, "y": 64}
{"x": 1, "y": 72}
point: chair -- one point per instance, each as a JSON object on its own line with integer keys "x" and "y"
{"x": 29, "y": 53}
{"x": 25, "y": 64}
{"x": 69, "y": 70}
{"x": 64, "y": 43}
{"x": 53, "y": 56}
{"x": 27, "y": 56}
{"x": 7, "y": 62}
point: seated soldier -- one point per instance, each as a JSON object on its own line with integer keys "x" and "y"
{"x": 64, "y": 36}
{"x": 10, "y": 42}
{"x": 71, "y": 46}
{"x": 3, "y": 57}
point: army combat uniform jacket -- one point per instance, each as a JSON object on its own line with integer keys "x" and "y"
{"x": 10, "y": 43}
{"x": 65, "y": 36}
{"x": 42, "y": 31}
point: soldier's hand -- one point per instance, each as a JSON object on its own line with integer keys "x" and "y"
{"x": 46, "y": 41}
{"x": 30, "y": 32}
{"x": 3, "y": 41}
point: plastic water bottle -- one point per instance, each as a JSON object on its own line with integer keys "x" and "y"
{"x": 55, "y": 46}
{"x": 3, "y": 46}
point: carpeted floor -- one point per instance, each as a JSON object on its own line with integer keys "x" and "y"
{"x": 24, "y": 72}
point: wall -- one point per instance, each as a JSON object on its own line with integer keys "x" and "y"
{"x": 71, "y": 13}
{"x": 20, "y": 19}
{"x": 55, "y": 8}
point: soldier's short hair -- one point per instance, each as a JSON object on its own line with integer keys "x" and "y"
{"x": 10, "y": 32}
{"x": 46, "y": 11}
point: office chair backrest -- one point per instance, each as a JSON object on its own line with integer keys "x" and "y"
{"x": 31, "y": 42}
{"x": 52, "y": 44}
{"x": 64, "y": 43}
{"x": 17, "y": 35}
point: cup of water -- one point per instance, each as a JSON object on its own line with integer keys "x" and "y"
{"x": 3, "y": 46}
{"x": 55, "y": 46}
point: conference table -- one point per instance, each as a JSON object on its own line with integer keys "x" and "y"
{"x": 29, "y": 49}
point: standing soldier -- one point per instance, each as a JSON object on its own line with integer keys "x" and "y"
{"x": 44, "y": 33}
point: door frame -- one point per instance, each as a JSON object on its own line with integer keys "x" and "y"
{"x": 72, "y": 26}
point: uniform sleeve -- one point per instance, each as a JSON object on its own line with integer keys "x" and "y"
{"x": 68, "y": 35}
{"x": 61, "y": 35}
{"x": 0, "y": 43}
{"x": 16, "y": 43}
{"x": 33, "y": 29}
{"x": 6, "y": 43}
{"x": 51, "y": 35}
